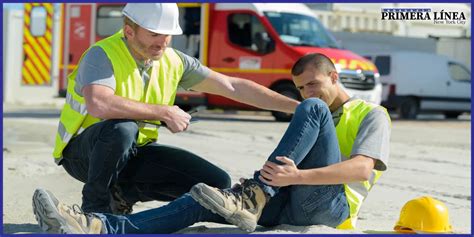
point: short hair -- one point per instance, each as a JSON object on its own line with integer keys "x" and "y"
{"x": 320, "y": 62}
{"x": 129, "y": 22}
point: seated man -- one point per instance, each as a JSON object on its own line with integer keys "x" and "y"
{"x": 329, "y": 158}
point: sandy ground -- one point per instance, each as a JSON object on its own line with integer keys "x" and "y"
{"x": 429, "y": 157}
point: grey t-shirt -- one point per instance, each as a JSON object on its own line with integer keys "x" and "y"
{"x": 96, "y": 68}
{"x": 373, "y": 137}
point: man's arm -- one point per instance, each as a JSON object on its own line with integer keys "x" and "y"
{"x": 358, "y": 168}
{"x": 101, "y": 102}
{"x": 95, "y": 81}
{"x": 245, "y": 91}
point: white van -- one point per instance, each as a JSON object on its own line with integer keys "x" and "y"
{"x": 416, "y": 82}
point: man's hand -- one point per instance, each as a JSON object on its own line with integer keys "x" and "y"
{"x": 280, "y": 175}
{"x": 176, "y": 119}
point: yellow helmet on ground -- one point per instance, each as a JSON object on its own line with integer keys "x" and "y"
{"x": 423, "y": 214}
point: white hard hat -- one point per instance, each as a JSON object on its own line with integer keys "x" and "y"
{"x": 160, "y": 18}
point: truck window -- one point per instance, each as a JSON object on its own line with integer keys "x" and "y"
{"x": 38, "y": 21}
{"x": 383, "y": 65}
{"x": 458, "y": 72}
{"x": 190, "y": 21}
{"x": 246, "y": 31}
{"x": 301, "y": 30}
{"x": 109, "y": 20}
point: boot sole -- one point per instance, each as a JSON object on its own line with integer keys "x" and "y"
{"x": 47, "y": 215}
{"x": 237, "y": 219}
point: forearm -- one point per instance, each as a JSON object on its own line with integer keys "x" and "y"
{"x": 101, "y": 102}
{"x": 356, "y": 169}
{"x": 246, "y": 91}
{"x": 116, "y": 107}
{"x": 259, "y": 96}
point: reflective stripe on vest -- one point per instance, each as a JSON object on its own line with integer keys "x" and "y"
{"x": 354, "y": 113}
{"x": 162, "y": 87}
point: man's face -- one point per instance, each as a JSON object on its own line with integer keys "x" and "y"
{"x": 146, "y": 44}
{"x": 313, "y": 84}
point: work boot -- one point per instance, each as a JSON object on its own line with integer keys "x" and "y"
{"x": 240, "y": 205}
{"x": 56, "y": 217}
{"x": 118, "y": 204}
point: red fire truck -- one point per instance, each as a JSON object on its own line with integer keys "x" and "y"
{"x": 256, "y": 41}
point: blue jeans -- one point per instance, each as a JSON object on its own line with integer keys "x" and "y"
{"x": 310, "y": 141}
{"x": 106, "y": 154}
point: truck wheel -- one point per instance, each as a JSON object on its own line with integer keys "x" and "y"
{"x": 452, "y": 115}
{"x": 288, "y": 90}
{"x": 409, "y": 109}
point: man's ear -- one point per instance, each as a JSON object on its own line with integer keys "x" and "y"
{"x": 334, "y": 76}
{"x": 128, "y": 31}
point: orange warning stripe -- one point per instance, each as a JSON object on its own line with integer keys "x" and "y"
{"x": 49, "y": 23}
{"x": 42, "y": 53}
{"x": 37, "y": 49}
{"x": 27, "y": 78}
{"x": 45, "y": 46}
{"x": 39, "y": 79}
{"x": 32, "y": 58}
{"x": 26, "y": 29}
{"x": 28, "y": 7}
{"x": 36, "y": 62}
{"x": 26, "y": 15}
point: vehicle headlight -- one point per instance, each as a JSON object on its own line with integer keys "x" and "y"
{"x": 377, "y": 78}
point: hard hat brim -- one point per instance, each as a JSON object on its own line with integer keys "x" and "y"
{"x": 405, "y": 230}
{"x": 177, "y": 31}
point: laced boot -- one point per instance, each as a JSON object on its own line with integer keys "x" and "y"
{"x": 56, "y": 217}
{"x": 241, "y": 205}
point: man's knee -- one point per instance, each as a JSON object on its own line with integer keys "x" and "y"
{"x": 312, "y": 105}
{"x": 225, "y": 181}
{"x": 222, "y": 180}
{"x": 121, "y": 131}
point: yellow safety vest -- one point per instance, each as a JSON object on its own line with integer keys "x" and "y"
{"x": 354, "y": 113}
{"x": 164, "y": 78}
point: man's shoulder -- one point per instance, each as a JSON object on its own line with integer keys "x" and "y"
{"x": 95, "y": 56}
{"x": 96, "y": 50}
{"x": 373, "y": 109}
{"x": 377, "y": 115}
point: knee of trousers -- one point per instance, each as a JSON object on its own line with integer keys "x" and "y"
{"x": 312, "y": 105}
{"x": 222, "y": 180}
{"x": 122, "y": 133}
{"x": 226, "y": 181}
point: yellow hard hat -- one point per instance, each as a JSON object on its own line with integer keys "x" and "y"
{"x": 425, "y": 215}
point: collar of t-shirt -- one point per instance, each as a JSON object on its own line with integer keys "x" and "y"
{"x": 337, "y": 114}
{"x": 144, "y": 67}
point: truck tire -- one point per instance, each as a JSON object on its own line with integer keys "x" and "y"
{"x": 452, "y": 115}
{"x": 288, "y": 90}
{"x": 409, "y": 108}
